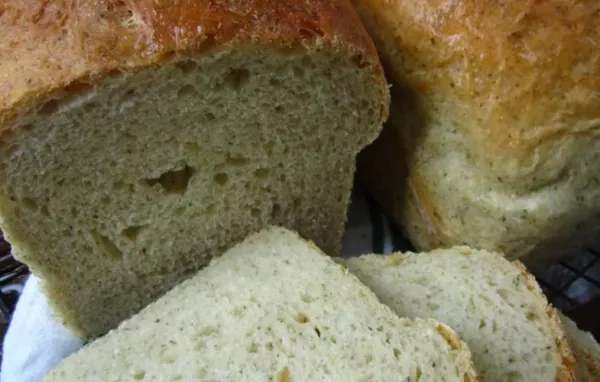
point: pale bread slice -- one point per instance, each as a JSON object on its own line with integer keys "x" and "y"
{"x": 273, "y": 308}
{"x": 494, "y": 305}
{"x": 586, "y": 351}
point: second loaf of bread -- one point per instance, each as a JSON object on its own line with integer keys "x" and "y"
{"x": 493, "y": 140}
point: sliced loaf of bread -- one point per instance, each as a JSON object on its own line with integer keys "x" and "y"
{"x": 585, "y": 349}
{"x": 138, "y": 139}
{"x": 273, "y": 308}
{"x": 494, "y": 305}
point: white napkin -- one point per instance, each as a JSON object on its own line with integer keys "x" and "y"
{"x": 36, "y": 341}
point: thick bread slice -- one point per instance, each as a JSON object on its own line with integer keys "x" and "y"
{"x": 494, "y": 305}
{"x": 138, "y": 139}
{"x": 495, "y": 142}
{"x": 273, "y": 308}
{"x": 585, "y": 349}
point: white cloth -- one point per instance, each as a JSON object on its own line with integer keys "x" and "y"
{"x": 36, "y": 341}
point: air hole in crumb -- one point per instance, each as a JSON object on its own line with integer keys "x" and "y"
{"x": 106, "y": 246}
{"x": 139, "y": 375}
{"x": 129, "y": 21}
{"x": 333, "y": 340}
{"x": 210, "y": 209}
{"x": 186, "y": 90}
{"x": 396, "y": 353}
{"x": 236, "y": 78}
{"x": 261, "y": 173}
{"x": 531, "y": 316}
{"x": 419, "y": 373}
{"x": 368, "y": 359}
{"x": 274, "y": 82}
{"x": 306, "y": 298}
{"x": 174, "y": 181}
{"x": 279, "y": 109}
{"x": 128, "y": 96}
{"x": 221, "y": 178}
{"x": 276, "y": 211}
{"x": 45, "y": 211}
{"x": 318, "y": 332}
{"x": 49, "y": 108}
{"x": 186, "y": 66}
{"x": 253, "y": 348}
{"x": 177, "y": 377}
{"x": 209, "y": 116}
{"x": 269, "y": 346}
{"x": 27, "y": 127}
{"x": 255, "y": 212}
{"x": 132, "y": 233}
{"x": 29, "y": 203}
{"x": 302, "y": 318}
{"x": 298, "y": 71}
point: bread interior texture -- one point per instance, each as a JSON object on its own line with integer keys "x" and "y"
{"x": 118, "y": 191}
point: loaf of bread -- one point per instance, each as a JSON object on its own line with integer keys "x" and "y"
{"x": 138, "y": 139}
{"x": 493, "y": 139}
{"x": 494, "y": 305}
{"x": 585, "y": 349}
{"x": 273, "y": 308}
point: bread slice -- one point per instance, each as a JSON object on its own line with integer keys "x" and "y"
{"x": 495, "y": 306}
{"x": 585, "y": 349}
{"x": 273, "y": 308}
{"x": 493, "y": 144}
{"x": 140, "y": 139}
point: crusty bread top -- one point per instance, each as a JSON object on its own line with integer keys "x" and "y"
{"x": 50, "y": 49}
{"x": 517, "y": 74}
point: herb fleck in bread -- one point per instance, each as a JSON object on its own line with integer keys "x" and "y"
{"x": 495, "y": 306}
{"x": 273, "y": 308}
{"x": 139, "y": 139}
{"x": 586, "y": 351}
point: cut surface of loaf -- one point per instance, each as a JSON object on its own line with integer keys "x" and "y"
{"x": 494, "y": 305}
{"x": 273, "y": 308}
{"x": 140, "y": 139}
{"x": 496, "y": 148}
{"x": 585, "y": 349}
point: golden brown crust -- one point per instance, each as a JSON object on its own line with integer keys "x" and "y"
{"x": 566, "y": 371}
{"x": 50, "y": 47}
{"x": 527, "y": 71}
{"x": 590, "y": 362}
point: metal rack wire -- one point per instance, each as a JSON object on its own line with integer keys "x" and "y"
{"x": 573, "y": 286}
